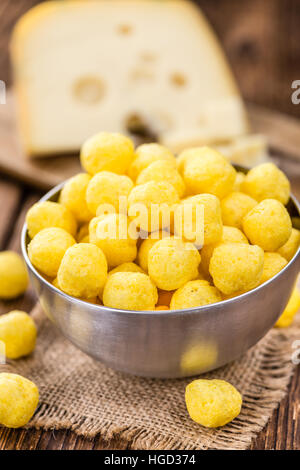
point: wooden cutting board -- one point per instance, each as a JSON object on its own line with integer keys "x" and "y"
{"x": 282, "y": 132}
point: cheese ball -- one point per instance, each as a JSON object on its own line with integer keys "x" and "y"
{"x": 268, "y": 225}
{"x": 209, "y": 172}
{"x": 229, "y": 235}
{"x": 111, "y": 234}
{"x": 266, "y": 181}
{"x": 19, "y": 399}
{"x": 107, "y": 188}
{"x": 236, "y": 267}
{"x": 291, "y": 246}
{"x": 212, "y": 218}
{"x": 195, "y": 294}
{"x": 212, "y": 403}
{"x": 147, "y": 154}
{"x": 184, "y": 156}
{"x": 234, "y": 207}
{"x": 47, "y": 249}
{"x": 172, "y": 263}
{"x": 150, "y": 205}
{"x": 239, "y": 180}
{"x": 73, "y": 194}
{"x": 107, "y": 151}
{"x": 273, "y": 263}
{"x": 127, "y": 268}
{"x": 18, "y": 333}
{"x": 146, "y": 245}
{"x": 49, "y": 214}
{"x": 162, "y": 170}
{"x": 287, "y": 317}
{"x": 13, "y": 275}
{"x": 130, "y": 291}
{"x": 93, "y": 300}
{"x": 55, "y": 283}
{"x": 83, "y": 271}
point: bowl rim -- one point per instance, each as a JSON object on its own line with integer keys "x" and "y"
{"x": 192, "y": 310}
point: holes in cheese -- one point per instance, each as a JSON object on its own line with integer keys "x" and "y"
{"x": 125, "y": 29}
{"x": 89, "y": 90}
{"x": 148, "y": 56}
{"x": 178, "y": 79}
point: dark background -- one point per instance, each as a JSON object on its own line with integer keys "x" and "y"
{"x": 261, "y": 39}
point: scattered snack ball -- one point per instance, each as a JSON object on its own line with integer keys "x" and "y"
{"x": 107, "y": 152}
{"x": 73, "y": 197}
{"x": 19, "y": 399}
{"x": 287, "y": 317}
{"x": 239, "y": 180}
{"x": 234, "y": 207}
{"x": 106, "y": 188}
{"x": 195, "y": 294}
{"x": 130, "y": 291}
{"x": 162, "y": 170}
{"x": 212, "y": 403}
{"x": 236, "y": 267}
{"x": 49, "y": 214}
{"x": 209, "y": 172}
{"x": 13, "y": 275}
{"x": 229, "y": 235}
{"x": 18, "y": 333}
{"x": 83, "y": 271}
{"x": 268, "y": 225}
{"x": 273, "y": 263}
{"x": 266, "y": 181}
{"x": 127, "y": 268}
{"x": 111, "y": 234}
{"x": 162, "y": 194}
{"x": 172, "y": 263}
{"x": 47, "y": 249}
{"x": 147, "y": 154}
{"x": 162, "y": 307}
{"x": 212, "y": 218}
{"x": 291, "y": 246}
{"x": 146, "y": 245}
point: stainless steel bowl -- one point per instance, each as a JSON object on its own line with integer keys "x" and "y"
{"x": 172, "y": 343}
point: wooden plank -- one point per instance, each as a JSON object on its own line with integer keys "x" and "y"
{"x": 10, "y": 196}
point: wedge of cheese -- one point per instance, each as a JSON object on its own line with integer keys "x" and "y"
{"x": 128, "y": 66}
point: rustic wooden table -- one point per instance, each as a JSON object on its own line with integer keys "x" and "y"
{"x": 253, "y": 28}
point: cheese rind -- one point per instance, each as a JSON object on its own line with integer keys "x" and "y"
{"x": 81, "y": 67}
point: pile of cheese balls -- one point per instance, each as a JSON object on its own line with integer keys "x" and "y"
{"x": 248, "y": 238}
{"x": 248, "y": 234}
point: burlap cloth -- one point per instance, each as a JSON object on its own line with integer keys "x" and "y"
{"x": 81, "y": 394}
